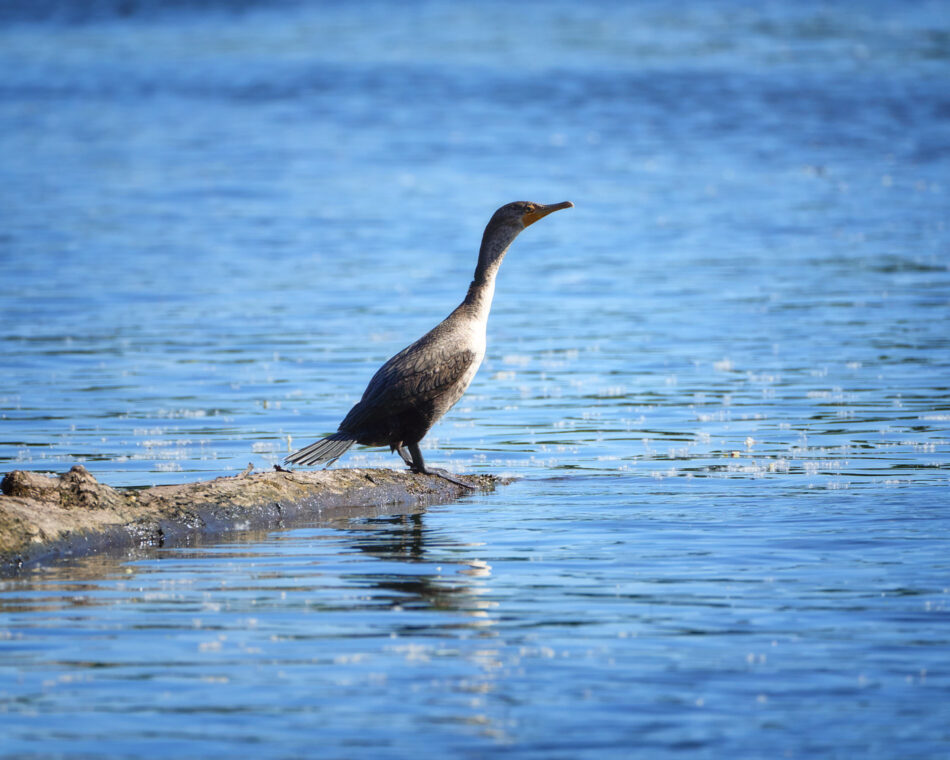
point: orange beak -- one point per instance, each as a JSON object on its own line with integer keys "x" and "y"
{"x": 541, "y": 211}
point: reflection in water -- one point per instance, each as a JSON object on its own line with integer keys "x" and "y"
{"x": 451, "y": 596}
{"x": 402, "y": 539}
{"x": 371, "y": 599}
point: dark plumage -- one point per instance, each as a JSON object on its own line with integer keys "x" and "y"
{"x": 412, "y": 390}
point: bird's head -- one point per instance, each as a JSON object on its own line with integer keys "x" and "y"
{"x": 505, "y": 225}
{"x": 521, "y": 214}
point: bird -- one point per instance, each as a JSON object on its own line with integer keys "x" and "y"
{"x": 417, "y": 386}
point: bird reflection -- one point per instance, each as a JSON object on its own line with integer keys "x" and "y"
{"x": 422, "y": 578}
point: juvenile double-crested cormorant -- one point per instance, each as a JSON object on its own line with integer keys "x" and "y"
{"x": 422, "y": 382}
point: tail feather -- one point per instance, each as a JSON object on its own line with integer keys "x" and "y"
{"x": 327, "y": 450}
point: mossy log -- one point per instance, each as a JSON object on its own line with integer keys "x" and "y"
{"x": 44, "y": 518}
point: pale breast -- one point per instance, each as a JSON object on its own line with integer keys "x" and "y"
{"x": 475, "y": 341}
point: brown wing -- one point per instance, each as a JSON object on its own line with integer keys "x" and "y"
{"x": 414, "y": 378}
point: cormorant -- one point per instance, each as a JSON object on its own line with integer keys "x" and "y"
{"x": 412, "y": 390}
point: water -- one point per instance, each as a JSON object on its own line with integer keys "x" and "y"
{"x": 721, "y": 379}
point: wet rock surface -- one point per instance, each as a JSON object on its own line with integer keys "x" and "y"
{"x": 43, "y": 518}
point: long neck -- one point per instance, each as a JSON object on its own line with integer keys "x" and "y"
{"x": 495, "y": 245}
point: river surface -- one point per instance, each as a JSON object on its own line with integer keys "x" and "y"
{"x": 722, "y": 381}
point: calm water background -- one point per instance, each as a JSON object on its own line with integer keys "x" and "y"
{"x": 723, "y": 379}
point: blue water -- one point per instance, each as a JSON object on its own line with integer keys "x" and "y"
{"x": 722, "y": 380}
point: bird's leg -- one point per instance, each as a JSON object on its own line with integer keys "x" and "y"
{"x": 418, "y": 465}
{"x": 401, "y": 450}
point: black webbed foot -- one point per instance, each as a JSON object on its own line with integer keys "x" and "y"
{"x": 451, "y": 478}
{"x": 416, "y": 463}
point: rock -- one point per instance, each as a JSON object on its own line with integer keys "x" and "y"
{"x": 28, "y": 485}
{"x": 77, "y": 489}
{"x": 46, "y": 517}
